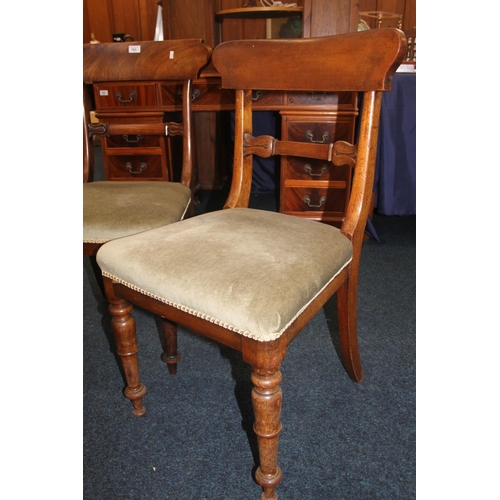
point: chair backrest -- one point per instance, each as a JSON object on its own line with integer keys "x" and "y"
{"x": 149, "y": 61}
{"x": 360, "y": 62}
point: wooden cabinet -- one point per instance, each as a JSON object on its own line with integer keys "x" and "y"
{"x": 404, "y": 11}
{"x": 138, "y": 157}
{"x": 136, "y": 18}
{"x": 196, "y": 18}
{"x": 310, "y": 188}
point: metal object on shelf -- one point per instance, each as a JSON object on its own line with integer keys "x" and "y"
{"x": 380, "y": 15}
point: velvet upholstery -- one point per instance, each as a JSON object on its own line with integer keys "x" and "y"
{"x": 251, "y": 271}
{"x": 115, "y": 209}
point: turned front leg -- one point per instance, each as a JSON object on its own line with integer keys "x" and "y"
{"x": 267, "y": 400}
{"x": 123, "y": 325}
{"x": 170, "y": 355}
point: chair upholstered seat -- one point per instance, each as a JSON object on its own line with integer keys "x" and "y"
{"x": 251, "y": 271}
{"x": 115, "y": 209}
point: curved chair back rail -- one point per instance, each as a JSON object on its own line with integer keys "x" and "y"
{"x": 167, "y": 60}
{"x": 323, "y": 62}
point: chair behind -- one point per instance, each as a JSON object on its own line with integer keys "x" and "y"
{"x": 105, "y": 217}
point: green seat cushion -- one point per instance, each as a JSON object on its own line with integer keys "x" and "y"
{"x": 251, "y": 271}
{"x": 112, "y": 209}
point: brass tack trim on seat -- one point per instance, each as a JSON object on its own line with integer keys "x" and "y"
{"x": 96, "y": 240}
{"x": 215, "y": 321}
{"x": 188, "y": 310}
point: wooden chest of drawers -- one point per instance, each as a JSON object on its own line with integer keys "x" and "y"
{"x": 137, "y": 157}
{"x": 309, "y": 188}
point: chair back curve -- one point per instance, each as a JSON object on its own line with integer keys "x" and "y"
{"x": 352, "y": 62}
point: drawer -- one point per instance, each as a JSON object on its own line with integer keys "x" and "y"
{"x": 320, "y": 132}
{"x": 342, "y": 99}
{"x": 268, "y": 98}
{"x": 135, "y": 167}
{"x": 133, "y": 141}
{"x": 314, "y": 200}
{"x": 120, "y": 96}
{"x": 202, "y": 94}
{"x": 309, "y": 169}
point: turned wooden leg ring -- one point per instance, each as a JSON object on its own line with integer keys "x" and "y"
{"x": 136, "y": 395}
{"x": 123, "y": 325}
{"x": 268, "y": 483}
{"x": 171, "y": 362}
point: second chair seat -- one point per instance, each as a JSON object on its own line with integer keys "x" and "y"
{"x": 115, "y": 209}
{"x": 249, "y": 271}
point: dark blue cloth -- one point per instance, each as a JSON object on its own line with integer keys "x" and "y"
{"x": 265, "y": 175}
{"x": 395, "y": 177}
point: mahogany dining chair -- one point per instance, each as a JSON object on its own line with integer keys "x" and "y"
{"x": 252, "y": 279}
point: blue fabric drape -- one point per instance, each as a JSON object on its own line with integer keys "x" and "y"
{"x": 395, "y": 177}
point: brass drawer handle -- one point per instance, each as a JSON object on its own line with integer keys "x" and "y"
{"x": 321, "y": 98}
{"x": 137, "y": 138}
{"x": 258, "y": 95}
{"x": 196, "y": 93}
{"x": 307, "y": 199}
{"x": 310, "y": 136}
{"x": 308, "y": 169}
{"x": 142, "y": 167}
{"x": 133, "y": 95}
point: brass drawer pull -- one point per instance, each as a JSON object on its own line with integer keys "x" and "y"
{"x": 321, "y": 98}
{"x": 310, "y": 136}
{"x": 258, "y": 95}
{"x": 142, "y": 167}
{"x": 307, "y": 199}
{"x": 196, "y": 93}
{"x": 137, "y": 138}
{"x": 308, "y": 169}
{"x": 133, "y": 95}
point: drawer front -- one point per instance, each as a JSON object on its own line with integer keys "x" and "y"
{"x": 342, "y": 99}
{"x": 320, "y": 132}
{"x": 133, "y": 141}
{"x": 211, "y": 94}
{"x": 135, "y": 167}
{"x": 312, "y": 188}
{"x": 315, "y": 201}
{"x": 202, "y": 94}
{"x": 121, "y": 96}
{"x": 309, "y": 169}
{"x": 262, "y": 98}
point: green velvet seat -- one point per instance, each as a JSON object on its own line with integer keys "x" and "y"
{"x": 251, "y": 271}
{"x": 115, "y": 209}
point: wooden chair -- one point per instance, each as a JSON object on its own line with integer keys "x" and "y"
{"x": 252, "y": 279}
{"x": 112, "y": 209}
